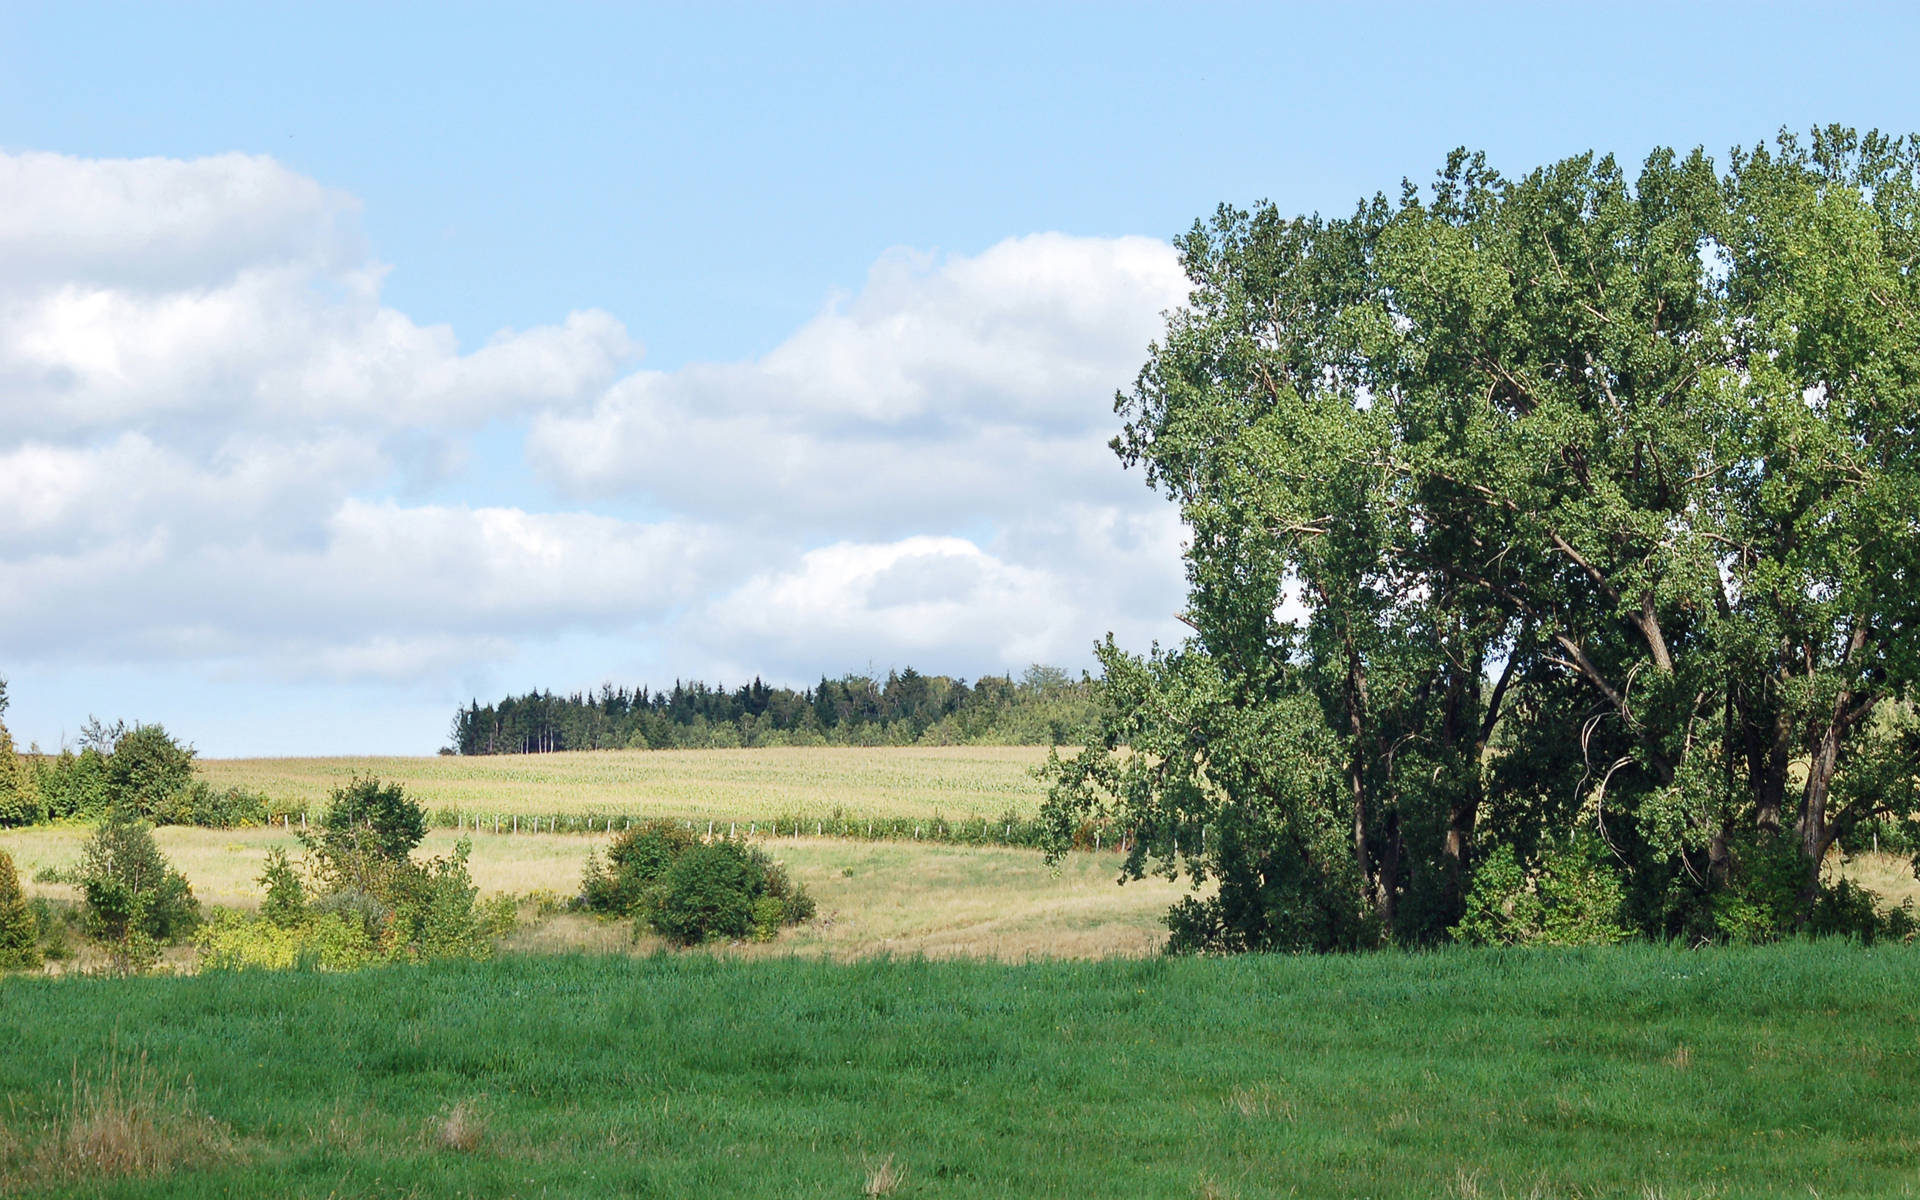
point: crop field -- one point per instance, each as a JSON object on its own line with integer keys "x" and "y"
{"x": 874, "y": 897}
{"x": 910, "y": 782}
{"x": 1634, "y": 1071}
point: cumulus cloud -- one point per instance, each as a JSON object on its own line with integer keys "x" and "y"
{"x": 208, "y": 415}
{"x": 229, "y": 291}
{"x": 969, "y": 387}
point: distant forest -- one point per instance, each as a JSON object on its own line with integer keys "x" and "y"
{"x": 1044, "y": 706}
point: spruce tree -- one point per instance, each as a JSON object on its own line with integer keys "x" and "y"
{"x": 19, "y": 932}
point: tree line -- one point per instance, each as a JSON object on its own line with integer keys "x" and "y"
{"x": 139, "y": 768}
{"x": 1044, "y": 706}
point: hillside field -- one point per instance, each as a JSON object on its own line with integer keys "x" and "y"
{"x": 1634, "y": 1071}
{"x": 874, "y": 897}
{"x": 911, "y": 782}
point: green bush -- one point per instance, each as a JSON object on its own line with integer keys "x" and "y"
{"x": 724, "y": 890}
{"x": 73, "y": 785}
{"x": 20, "y": 800}
{"x": 637, "y": 860}
{"x": 232, "y": 941}
{"x": 56, "y": 923}
{"x": 1570, "y": 898}
{"x": 708, "y": 894}
{"x": 19, "y": 931}
{"x": 134, "y": 900}
{"x": 150, "y": 773}
{"x": 365, "y": 815}
{"x": 286, "y": 902}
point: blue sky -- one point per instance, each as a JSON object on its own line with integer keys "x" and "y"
{"x": 804, "y": 321}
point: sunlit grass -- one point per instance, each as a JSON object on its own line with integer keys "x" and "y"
{"x": 874, "y": 897}
{"x": 1632, "y": 1071}
{"x": 913, "y": 782}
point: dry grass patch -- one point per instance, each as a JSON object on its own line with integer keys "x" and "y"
{"x": 884, "y": 1179}
{"x": 123, "y": 1120}
{"x": 461, "y": 1128}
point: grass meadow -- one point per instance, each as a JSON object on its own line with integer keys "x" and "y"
{"x": 906, "y": 782}
{"x": 874, "y": 897}
{"x": 1634, "y": 1071}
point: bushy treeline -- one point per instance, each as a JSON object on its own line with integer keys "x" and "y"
{"x": 141, "y": 768}
{"x": 363, "y": 899}
{"x": 1043, "y": 707}
{"x": 358, "y": 898}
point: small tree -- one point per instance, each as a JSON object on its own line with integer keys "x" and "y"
{"x": 150, "y": 773}
{"x": 286, "y": 903}
{"x": 20, "y": 800}
{"x": 383, "y": 818}
{"x": 135, "y": 900}
{"x": 19, "y": 932}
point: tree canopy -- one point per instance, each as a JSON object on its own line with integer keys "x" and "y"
{"x": 1572, "y": 517}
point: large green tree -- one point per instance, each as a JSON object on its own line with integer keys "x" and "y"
{"x": 1574, "y": 515}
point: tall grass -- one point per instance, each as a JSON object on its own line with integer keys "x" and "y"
{"x": 1632, "y": 1071}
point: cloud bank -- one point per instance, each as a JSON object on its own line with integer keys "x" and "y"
{"x": 222, "y": 452}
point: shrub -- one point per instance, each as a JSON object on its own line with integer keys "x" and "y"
{"x": 73, "y": 785}
{"x": 150, "y": 773}
{"x": 56, "y": 924}
{"x": 725, "y": 890}
{"x": 664, "y": 876}
{"x": 637, "y": 860}
{"x": 134, "y": 899}
{"x": 1569, "y": 899}
{"x": 286, "y": 902}
{"x": 19, "y": 931}
{"x": 708, "y": 893}
{"x": 440, "y": 919}
{"x": 232, "y": 941}
{"x": 360, "y": 860}
{"x": 364, "y": 815}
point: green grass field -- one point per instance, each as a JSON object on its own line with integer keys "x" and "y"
{"x": 1631, "y": 1072}
{"x": 912, "y": 782}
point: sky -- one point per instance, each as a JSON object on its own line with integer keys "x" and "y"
{"x": 358, "y": 361}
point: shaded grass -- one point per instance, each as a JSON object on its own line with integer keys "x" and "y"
{"x": 913, "y": 782}
{"x": 1482, "y": 1073}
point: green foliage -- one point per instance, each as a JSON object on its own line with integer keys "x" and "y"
{"x": 1043, "y": 707}
{"x": 286, "y": 897}
{"x": 368, "y": 817}
{"x": 691, "y": 891}
{"x": 57, "y": 924}
{"x": 150, "y": 774}
{"x": 1577, "y": 501}
{"x": 73, "y": 785}
{"x": 708, "y": 894}
{"x": 1571, "y": 898}
{"x": 363, "y": 873}
{"x": 19, "y": 931}
{"x": 20, "y": 800}
{"x": 637, "y": 860}
{"x": 232, "y": 941}
{"x": 135, "y": 901}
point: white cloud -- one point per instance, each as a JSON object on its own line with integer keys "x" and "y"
{"x": 963, "y": 388}
{"x": 173, "y": 296}
{"x": 207, "y": 412}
